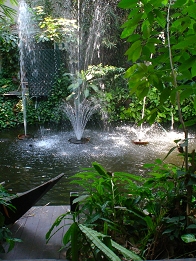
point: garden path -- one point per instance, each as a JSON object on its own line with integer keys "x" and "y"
{"x": 31, "y": 229}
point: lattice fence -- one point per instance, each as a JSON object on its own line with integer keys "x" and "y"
{"x": 42, "y": 69}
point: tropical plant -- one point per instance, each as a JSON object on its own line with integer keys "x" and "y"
{"x": 85, "y": 243}
{"x": 101, "y": 216}
{"x": 147, "y": 215}
{"x": 162, "y": 53}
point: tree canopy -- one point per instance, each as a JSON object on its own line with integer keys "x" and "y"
{"x": 162, "y": 52}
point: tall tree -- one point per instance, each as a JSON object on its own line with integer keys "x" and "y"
{"x": 162, "y": 35}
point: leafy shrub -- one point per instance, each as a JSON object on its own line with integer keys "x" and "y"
{"x": 5, "y": 233}
{"x": 147, "y": 215}
{"x": 9, "y": 50}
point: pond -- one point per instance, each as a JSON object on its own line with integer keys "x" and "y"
{"x": 25, "y": 164}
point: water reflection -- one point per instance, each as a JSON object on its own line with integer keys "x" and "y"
{"x": 28, "y": 163}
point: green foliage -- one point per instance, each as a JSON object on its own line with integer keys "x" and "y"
{"x": 5, "y": 233}
{"x": 6, "y": 11}
{"x": 48, "y": 110}
{"x": 38, "y": 111}
{"x": 54, "y": 29}
{"x": 83, "y": 83}
{"x": 110, "y": 88}
{"x": 10, "y": 109}
{"x": 88, "y": 244}
{"x": 119, "y": 104}
{"x": 9, "y": 52}
{"x": 162, "y": 49}
{"x": 121, "y": 207}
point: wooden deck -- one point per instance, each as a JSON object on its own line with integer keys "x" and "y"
{"x": 31, "y": 229}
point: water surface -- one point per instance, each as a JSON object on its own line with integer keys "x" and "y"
{"x": 25, "y": 164}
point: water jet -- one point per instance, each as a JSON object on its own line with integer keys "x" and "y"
{"x": 25, "y": 163}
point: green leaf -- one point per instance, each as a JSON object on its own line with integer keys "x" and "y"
{"x": 161, "y": 19}
{"x": 55, "y": 224}
{"x": 67, "y": 235}
{"x": 126, "y": 253}
{"x": 99, "y": 169}
{"x": 130, "y": 52}
{"x": 86, "y": 93}
{"x": 192, "y": 226}
{"x": 80, "y": 198}
{"x": 151, "y": 17}
{"x": 170, "y": 151}
{"x": 133, "y": 38}
{"x": 188, "y": 41}
{"x": 190, "y": 123}
{"x": 179, "y": 3}
{"x": 74, "y": 242}
{"x": 149, "y": 222}
{"x": 93, "y": 237}
{"x": 187, "y": 64}
{"x": 158, "y": 161}
{"x": 188, "y": 238}
{"x": 94, "y": 87}
{"x": 136, "y": 54}
{"x": 165, "y": 95}
{"x": 143, "y": 93}
{"x": 129, "y": 175}
{"x": 191, "y": 10}
{"x": 127, "y": 4}
{"x": 193, "y": 69}
{"x": 130, "y": 71}
{"x": 146, "y": 30}
{"x": 186, "y": 93}
{"x": 153, "y": 116}
{"x": 73, "y": 86}
{"x": 127, "y": 32}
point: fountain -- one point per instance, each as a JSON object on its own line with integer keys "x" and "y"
{"x": 141, "y": 132}
{"x": 81, "y": 109}
{"x": 79, "y": 115}
{"x": 25, "y": 44}
{"x": 24, "y": 165}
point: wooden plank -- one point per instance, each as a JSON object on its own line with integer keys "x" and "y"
{"x": 32, "y": 228}
{"x": 17, "y": 231}
{"x": 43, "y": 224}
{"x": 55, "y": 243}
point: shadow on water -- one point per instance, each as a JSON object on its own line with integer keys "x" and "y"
{"x": 25, "y": 164}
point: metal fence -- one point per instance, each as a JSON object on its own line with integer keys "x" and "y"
{"x": 42, "y": 68}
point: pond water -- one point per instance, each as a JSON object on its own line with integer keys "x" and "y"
{"x": 25, "y": 164}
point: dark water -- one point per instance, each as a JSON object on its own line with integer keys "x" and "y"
{"x": 25, "y": 164}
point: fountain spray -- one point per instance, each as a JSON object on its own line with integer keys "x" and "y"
{"x": 25, "y": 43}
